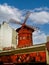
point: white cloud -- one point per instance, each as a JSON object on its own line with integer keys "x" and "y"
{"x": 39, "y": 37}
{"x": 41, "y": 9}
{"x": 40, "y": 15}
{"x": 7, "y": 12}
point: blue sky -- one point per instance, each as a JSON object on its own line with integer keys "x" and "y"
{"x": 26, "y": 4}
{"x": 39, "y": 17}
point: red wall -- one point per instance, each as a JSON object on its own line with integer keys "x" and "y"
{"x": 21, "y": 58}
{"x": 24, "y": 38}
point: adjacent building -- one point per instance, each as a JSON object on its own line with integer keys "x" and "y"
{"x": 47, "y": 50}
{"x": 8, "y": 36}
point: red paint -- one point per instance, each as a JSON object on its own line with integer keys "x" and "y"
{"x": 21, "y": 58}
{"x": 33, "y": 54}
{"x": 25, "y": 36}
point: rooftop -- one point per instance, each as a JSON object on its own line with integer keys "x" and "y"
{"x": 26, "y": 26}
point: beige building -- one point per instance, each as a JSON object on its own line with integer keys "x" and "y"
{"x": 47, "y": 50}
{"x": 8, "y": 36}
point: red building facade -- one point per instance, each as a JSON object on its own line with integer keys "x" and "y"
{"x": 24, "y": 58}
{"x": 25, "y": 36}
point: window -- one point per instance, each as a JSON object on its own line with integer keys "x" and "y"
{"x": 20, "y": 38}
{"x": 24, "y": 37}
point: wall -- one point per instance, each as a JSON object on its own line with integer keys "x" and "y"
{"x": 47, "y": 56}
{"x": 14, "y": 38}
{"x": 24, "y": 37}
{"x": 47, "y": 50}
{"x": 6, "y": 35}
{"x": 0, "y": 38}
{"x": 47, "y": 38}
{"x": 34, "y": 57}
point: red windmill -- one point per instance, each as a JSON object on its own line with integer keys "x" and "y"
{"x": 25, "y": 33}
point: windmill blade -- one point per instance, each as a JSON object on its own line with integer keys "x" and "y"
{"x": 14, "y": 21}
{"x": 27, "y": 15}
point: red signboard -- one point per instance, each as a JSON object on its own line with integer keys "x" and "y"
{"x": 28, "y": 57}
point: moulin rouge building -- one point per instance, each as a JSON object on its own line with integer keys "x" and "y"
{"x": 26, "y": 52}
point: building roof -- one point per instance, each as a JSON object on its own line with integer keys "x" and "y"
{"x": 35, "y": 48}
{"x": 26, "y": 26}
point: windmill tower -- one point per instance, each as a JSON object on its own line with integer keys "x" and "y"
{"x": 24, "y": 33}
